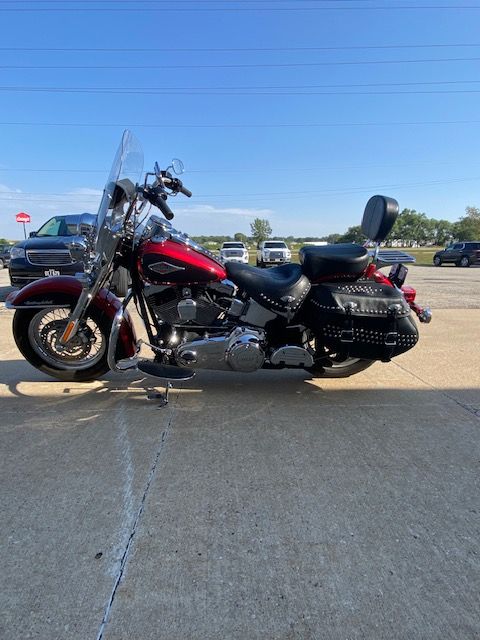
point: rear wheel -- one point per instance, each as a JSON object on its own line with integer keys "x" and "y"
{"x": 465, "y": 261}
{"x": 37, "y": 334}
{"x": 2, "y": 264}
{"x": 340, "y": 367}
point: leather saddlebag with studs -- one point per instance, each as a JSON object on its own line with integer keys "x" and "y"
{"x": 362, "y": 319}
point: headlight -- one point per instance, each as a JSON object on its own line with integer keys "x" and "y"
{"x": 17, "y": 252}
{"x": 289, "y": 255}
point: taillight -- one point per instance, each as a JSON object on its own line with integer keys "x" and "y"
{"x": 409, "y": 293}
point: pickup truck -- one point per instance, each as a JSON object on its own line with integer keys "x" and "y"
{"x": 272, "y": 252}
{"x": 234, "y": 252}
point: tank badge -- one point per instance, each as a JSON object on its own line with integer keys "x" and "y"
{"x": 164, "y": 267}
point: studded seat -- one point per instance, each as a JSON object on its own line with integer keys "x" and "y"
{"x": 281, "y": 289}
{"x": 334, "y": 262}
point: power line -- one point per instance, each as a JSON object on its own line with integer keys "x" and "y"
{"x": 241, "y": 9}
{"x": 299, "y": 86}
{"x": 255, "y": 65}
{"x": 236, "y": 50}
{"x": 302, "y": 125}
{"x": 223, "y": 93}
{"x": 83, "y": 197}
{"x": 262, "y": 169}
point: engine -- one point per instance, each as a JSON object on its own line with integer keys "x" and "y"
{"x": 193, "y": 305}
{"x": 244, "y": 349}
{"x": 240, "y": 350}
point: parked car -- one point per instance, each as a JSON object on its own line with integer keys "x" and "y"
{"x": 59, "y": 247}
{"x": 463, "y": 254}
{"x": 4, "y": 255}
{"x": 234, "y": 252}
{"x": 272, "y": 252}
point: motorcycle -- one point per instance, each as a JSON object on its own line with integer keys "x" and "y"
{"x": 333, "y": 315}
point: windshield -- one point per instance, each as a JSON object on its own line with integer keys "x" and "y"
{"x": 118, "y": 193}
{"x": 275, "y": 245}
{"x": 58, "y": 226}
{"x": 127, "y": 165}
{"x": 233, "y": 245}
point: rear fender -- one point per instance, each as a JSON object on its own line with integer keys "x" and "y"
{"x": 62, "y": 291}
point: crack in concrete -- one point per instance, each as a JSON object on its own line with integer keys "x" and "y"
{"x": 470, "y": 409}
{"x": 128, "y": 546}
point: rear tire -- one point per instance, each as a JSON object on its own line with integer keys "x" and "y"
{"x": 349, "y": 367}
{"x": 465, "y": 261}
{"x": 2, "y": 264}
{"x": 36, "y": 332}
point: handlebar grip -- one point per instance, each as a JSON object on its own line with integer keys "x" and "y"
{"x": 185, "y": 191}
{"x": 164, "y": 208}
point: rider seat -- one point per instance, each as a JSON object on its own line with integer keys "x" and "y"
{"x": 280, "y": 289}
{"x": 333, "y": 262}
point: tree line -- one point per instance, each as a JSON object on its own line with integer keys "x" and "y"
{"x": 411, "y": 228}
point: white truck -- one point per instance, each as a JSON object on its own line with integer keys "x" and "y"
{"x": 234, "y": 252}
{"x": 272, "y": 252}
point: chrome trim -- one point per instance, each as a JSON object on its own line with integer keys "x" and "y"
{"x": 125, "y": 363}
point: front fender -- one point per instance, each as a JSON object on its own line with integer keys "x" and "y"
{"x": 65, "y": 291}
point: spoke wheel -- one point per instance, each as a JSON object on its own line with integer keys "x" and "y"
{"x": 37, "y": 333}
{"x": 84, "y": 350}
{"x": 335, "y": 365}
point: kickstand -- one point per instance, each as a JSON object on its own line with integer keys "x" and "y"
{"x": 153, "y": 394}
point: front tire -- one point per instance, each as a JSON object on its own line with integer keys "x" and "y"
{"x": 437, "y": 261}
{"x": 465, "y": 261}
{"x": 84, "y": 358}
{"x": 121, "y": 281}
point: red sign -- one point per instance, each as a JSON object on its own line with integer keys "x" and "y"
{"x": 22, "y": 217}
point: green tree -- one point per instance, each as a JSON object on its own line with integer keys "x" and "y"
{"x": 441, "y": 231}
{"x": 353, "y": 234}
{"x": 240, "y": 237}
{"x": 260, "y": 230}
{"x": 468, "y": 227}
{"x": 411, "y": 228}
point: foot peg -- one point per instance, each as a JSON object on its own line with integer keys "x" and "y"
{"x": 165, "y": 371}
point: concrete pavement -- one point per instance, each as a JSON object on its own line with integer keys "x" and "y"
{"x": 267, "y": 505}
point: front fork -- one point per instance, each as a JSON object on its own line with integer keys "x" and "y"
{"x": 89, "y": 291}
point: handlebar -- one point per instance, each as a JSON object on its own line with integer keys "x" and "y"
{"x": 157, "y": 195}
{"x": 164, "y": 208}
{"x": 185, "y": 191}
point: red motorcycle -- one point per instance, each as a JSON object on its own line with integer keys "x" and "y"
{"x": 333, "y": 315}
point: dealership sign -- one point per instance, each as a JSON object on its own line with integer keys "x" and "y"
{"x": 22, "y": 217}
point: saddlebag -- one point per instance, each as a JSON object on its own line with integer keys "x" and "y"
{"x": 362, "y": 319}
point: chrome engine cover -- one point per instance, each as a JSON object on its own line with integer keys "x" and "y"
{"x": 292, "y": 356}
{"x": 240, "y": 350}
{"x": 244, "y": 351}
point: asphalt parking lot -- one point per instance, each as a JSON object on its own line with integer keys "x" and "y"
{"x": 269, "y": 505}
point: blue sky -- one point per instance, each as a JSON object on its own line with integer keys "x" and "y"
{"x": 347, "y": 106}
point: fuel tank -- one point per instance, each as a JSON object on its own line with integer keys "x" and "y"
{"x": 165, "y": 261}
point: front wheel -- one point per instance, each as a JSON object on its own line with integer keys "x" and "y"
{"x": 465, "y": 261}
{"x": 437, "y": 261}
{"x": 84, "y": 357}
